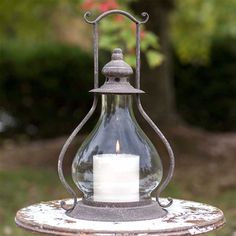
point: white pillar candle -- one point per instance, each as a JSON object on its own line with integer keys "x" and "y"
{"x": 116, "y": 177}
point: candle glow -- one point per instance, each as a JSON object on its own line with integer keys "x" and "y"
{"x": 117, "y": 147}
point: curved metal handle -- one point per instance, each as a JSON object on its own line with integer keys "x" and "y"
{"x": 169, "y": 150}
{"x": 95, "y": 38}
{"x": 63, "y": 152}
{"x": 100, "y": 17}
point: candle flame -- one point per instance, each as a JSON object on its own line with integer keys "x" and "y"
{"x": 117, "y": 146}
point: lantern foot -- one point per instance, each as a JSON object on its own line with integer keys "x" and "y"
{"x": 118, "y": 212}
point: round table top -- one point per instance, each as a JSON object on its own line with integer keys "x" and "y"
{"x": 183, "y": 218}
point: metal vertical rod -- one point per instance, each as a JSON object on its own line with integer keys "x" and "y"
{"x": 95, "y": 52}
{"x": 137, "y": 71}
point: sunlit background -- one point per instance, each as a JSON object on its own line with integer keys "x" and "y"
{"x": 188, "y": 71}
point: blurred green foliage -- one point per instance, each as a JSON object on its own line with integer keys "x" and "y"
{"x": 119, "y": 31}
{"x": 122, "y": 34}
{"x": 36, "y": 20}
{"x": 206, "y": 94}
{"x": 21, "y": 187}
{"x": 196, "y": 24}
{"x": 26, "y": 19}
{"x": 44, "y": 87}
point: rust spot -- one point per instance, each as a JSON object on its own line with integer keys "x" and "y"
{"x": 54, "y": 205}
{"x": 192, "y": 208}
{"x": 70, "y": 221}
{"x": 196, "y": 221}
{"x": 171, "y": 220}
{"x": 215, "y": 212}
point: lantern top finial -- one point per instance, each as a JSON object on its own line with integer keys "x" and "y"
{"x": 117, "y": 54}
{"x": 117, "y": 67}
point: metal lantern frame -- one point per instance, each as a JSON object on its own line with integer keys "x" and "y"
{"x": 95, "y": 24}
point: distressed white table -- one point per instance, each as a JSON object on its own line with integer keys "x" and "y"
{"x": 183, "y": 218}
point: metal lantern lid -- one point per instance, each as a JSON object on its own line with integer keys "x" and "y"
{"x": 117, "y": 72}
{"x": 117, "y": 67}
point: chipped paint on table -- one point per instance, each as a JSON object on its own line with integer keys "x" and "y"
{"x": 183, "y": 218}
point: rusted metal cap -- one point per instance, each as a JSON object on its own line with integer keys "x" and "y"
{"x": 117, "y": 67}
{"x": 117, "y": 72}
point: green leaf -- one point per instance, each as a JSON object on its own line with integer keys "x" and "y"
{"x": 130, "y": 59}
{"x": 108, "y": 42}
{"x": 154, "y": 58}
{"x": 150, "y": 39}
{"x": 128, "y": 38}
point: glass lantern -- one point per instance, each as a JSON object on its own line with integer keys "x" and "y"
{"x": 117, "y": 167}
{"x": 117, "y": 162}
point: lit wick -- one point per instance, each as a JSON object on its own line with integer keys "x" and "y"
{"x": 117, "y": 147}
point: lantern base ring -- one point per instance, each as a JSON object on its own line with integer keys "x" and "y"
{"x": 118, "y": 212}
